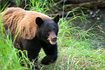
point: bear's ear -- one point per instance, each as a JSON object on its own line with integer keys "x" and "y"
{"x": 56, "y": 18}
{"x": 39, "y": 21}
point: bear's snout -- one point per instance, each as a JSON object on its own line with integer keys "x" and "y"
{"x": 54, "y": 39}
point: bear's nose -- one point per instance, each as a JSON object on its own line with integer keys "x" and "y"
{"x": 54, "y": 39}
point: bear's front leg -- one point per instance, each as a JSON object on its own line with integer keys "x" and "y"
{"x": 33, "y": 48}
{"x": 51, "y": 54}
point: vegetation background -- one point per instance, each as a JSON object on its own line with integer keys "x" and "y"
{"x": 78, "y": 48}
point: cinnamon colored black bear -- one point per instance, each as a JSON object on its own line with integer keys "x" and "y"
{"x": 35, "y": 31}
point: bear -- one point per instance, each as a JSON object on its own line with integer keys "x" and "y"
{"x": 34, "y": 31}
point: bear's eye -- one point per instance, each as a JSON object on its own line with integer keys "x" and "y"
{"x": 48, "y": 30}
{"x": 54, "y": 29}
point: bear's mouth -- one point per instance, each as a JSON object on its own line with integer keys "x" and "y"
{"x": 53, "y": 42}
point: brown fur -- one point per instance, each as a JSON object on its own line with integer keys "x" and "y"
{"x": 22, "y": 21}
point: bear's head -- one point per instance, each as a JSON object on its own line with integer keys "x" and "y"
{"x": 47, "y": 29}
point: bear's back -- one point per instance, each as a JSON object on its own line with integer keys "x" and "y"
{"x": 22, "y": 21}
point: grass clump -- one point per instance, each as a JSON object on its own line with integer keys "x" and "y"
{"x": 8, "y": 54}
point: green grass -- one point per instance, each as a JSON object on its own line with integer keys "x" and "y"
{"x": 8, "y": 56}
{"x": 75, "y": 46}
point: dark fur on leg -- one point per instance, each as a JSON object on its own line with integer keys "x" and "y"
{"x": 51, "y": 52}
{"x": 48, "y": 59}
